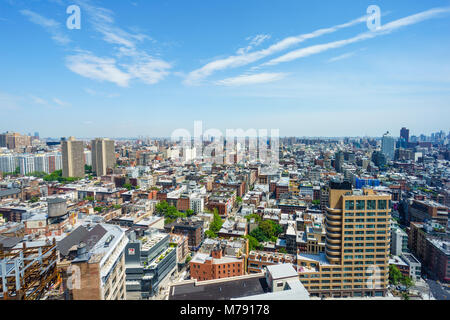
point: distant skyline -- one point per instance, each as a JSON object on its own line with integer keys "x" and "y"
{"x": 147, "y": 68}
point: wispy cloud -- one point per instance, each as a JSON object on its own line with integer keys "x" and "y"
{"x": 38, "y": 100}
{"x": 51, "y": 26}
{"x": 243, "y": 59}
{"x": 342, "y": 57}
{"x": 127, "y": 62}
{"x": 51, "y": 104}
{"x": 254, "y": 42}
{"x": 251, "y": 79}
{"x": 383, "y": 30}
{"x": 61, "y": 103}
{"x": 103, "y": 94}
{"x": 90, "y": 66}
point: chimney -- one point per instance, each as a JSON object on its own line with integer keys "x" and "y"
{"x": 217, "y": 253}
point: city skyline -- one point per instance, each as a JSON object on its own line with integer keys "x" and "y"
{"x": 147, "y": 69}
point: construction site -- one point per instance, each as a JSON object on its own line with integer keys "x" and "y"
{"x": 28, "y": 273}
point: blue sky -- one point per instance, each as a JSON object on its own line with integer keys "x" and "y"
{"x": 308, "y": 68}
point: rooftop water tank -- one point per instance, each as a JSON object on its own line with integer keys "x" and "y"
{"x": 57, "y": 207}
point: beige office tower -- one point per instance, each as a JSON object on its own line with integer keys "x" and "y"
{"x": 356, "y": 258}
{"x": 103, "y": 156}
{"x": 72, "y": 158}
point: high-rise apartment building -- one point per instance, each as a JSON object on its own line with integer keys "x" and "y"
{"x": 356, "y": 258}
{"x": 102, "y": 156}
{"x": 73, "y": 158}
{"x": 404, "y": 133}
{"x": 14, "y": 140}
{"x": 388, "y": 146}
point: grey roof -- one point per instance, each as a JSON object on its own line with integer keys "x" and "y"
{"x": 74, "y": 238}
{"x": 81, "y": 234}
{"x": 8, "y": 192}
{"x": 9, "y": 242}
{"x": 279, "y": 271}
{"x": 220, "y": 290}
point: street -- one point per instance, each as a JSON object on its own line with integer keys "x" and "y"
{"x": 438, "y": 291}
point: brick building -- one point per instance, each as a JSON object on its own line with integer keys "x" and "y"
{"x": 215, "y": 266}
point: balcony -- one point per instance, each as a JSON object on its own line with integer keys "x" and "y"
{"x": 333, "y": 222}
{"x": 335, "y": 229}
{"x": 333, "y": 246}
{"x": 331, "y": 215}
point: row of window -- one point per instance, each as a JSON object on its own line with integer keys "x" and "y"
{"x": 366, "y": 214}
{"x": 366, "y": 204}
{"x": 367, "y": 226}
{"x": 359, "y": 232}
{"x": 366, "y": 220}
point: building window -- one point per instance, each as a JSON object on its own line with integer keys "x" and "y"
{"x": 360, "y": 204}
{"x": 371, "y": 205}
{"x": 349, "y": 205}
{"x": 382, "y": 204}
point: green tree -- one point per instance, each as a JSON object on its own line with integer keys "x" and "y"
{"x": 168, "y": 220}
{"x": 238, "y": 200}
{"x": 87, "y": 169}
{"x": 282, "y": 250}
{"x": 253, "y": 243}
{"x": 407, "y": 281}
{"x": 259, "y": 235}
{"x": 253, "y": 216}
{"x": 190, "y": 212}
{"x": 34, "y": 199}
{"x": 128, "y": 186}
{"x": 210, "y": 234}
{"x": 394, "y": 275}
{"x": 316, "y": 202}
{"x": 188, "y": 258}
{"x": 267, "y": 228}
{"x": 217, "y": 222}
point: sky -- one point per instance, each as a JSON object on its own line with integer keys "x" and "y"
{"x": 149, "y": 67}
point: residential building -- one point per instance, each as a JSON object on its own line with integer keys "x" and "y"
{"x": 215, "y": 266}
{"x": 72, "y": 158}
{"x": 103, "y": 156}
{"x": 357, "y": 245}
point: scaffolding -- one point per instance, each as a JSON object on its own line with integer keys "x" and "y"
{"x": 28, "y": 273}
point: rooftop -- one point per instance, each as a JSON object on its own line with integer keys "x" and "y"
{"x": 279, "y": 271}
{"x": 231, "y": 288}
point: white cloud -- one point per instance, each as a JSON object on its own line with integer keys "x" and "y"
{"x": 342, "y": 57}
{"x": 128, "y": 61}
{"x": 97, "y": 68}
{"x": 251, "y": 79}
{"x": 38, "y": 100}
{"x": 254, "y": 42}
{"x": 149, "y": 70}
{"x": 246, "y": 58}
{"x": 385, "y": 29}
{"x": 51, "y": 26}
{"x": 60, "y": 102}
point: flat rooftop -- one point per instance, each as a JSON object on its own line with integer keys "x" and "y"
{"x": 220, "y": 290}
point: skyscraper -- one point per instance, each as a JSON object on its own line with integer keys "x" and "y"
{"x": 73, "y": 158}
{"x": 388, "y": 146}
{"x": 404, "y": 133}
{"x": 356, "y": 258}
{"x": 102, "y": 156}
